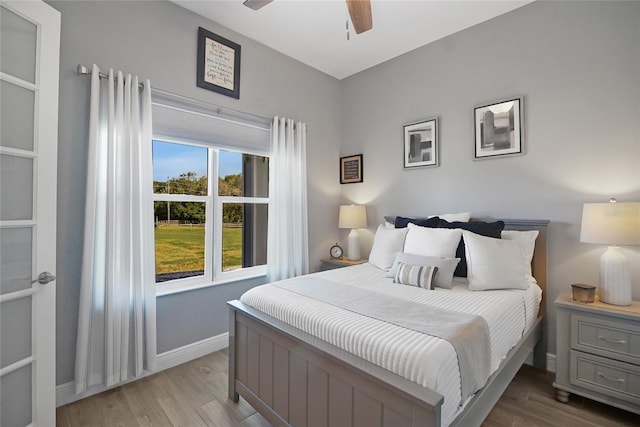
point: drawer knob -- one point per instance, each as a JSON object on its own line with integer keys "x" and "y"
{"x": 612, "y": 341}
{"x": 618, "y": 380}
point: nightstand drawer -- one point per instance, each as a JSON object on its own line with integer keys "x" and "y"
{"x": 605, "y": 337}
{"x": 616, "y": 379}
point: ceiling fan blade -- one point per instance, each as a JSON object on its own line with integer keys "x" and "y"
{"x": 360, "y": 12}
{"x": 256, "y": 4}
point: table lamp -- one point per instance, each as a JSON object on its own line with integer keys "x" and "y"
{"x": 612, "y": 224}
{"x": 353, "y": 216}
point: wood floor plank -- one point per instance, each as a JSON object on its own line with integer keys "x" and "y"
{"x": 176, "y": 405}
{"x": 215, "y": 414}
{"x": 114, "y": 409}
{"x": 145, "y": 408}
{"x": 603, "y": 417}
{"x": 195, "y": 394}
{"x": 256, "y": 420}
{"x": 82, "y": 413}
{"x": 499, "y": 417}
{"x": 214, "y": 376}
{"x": 187, "y": 380}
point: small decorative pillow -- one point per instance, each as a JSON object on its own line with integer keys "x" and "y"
{"x": 386, "y": 244}
{"x": 438, "y": 242}
{"x": 494, "y": 263}
{"x": 415, "y": 275}
{"x": 442, "y": 278}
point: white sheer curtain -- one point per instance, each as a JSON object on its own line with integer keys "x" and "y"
{"x": 287, "y": 247}
{"x": 117, "y": 324}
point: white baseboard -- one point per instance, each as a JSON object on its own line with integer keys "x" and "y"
{"x": 192, "y": 351}
{"x": 551, "y": 362}
{"x": 65, "y": 393}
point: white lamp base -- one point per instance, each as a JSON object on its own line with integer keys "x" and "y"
{"x": 353, "y": 246}
{"x": 615, "y": 279}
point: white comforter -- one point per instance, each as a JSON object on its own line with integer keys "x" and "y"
{"x": 426, "y": 360}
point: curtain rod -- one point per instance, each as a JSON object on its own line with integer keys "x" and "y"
{"x": 83, "y": 70}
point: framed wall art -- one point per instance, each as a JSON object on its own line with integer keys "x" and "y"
{"x": 351, "y": 169}
{"x": 421, "y": 143}
{"x": 498, "y": 128}
{"x": 218, "y": 64}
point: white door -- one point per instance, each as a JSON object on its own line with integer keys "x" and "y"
{"x": 29, "y": 67}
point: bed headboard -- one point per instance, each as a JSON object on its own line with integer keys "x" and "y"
{"x": 539, "y": 262}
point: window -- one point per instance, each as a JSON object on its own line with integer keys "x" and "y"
{"x": 208, "y": 230}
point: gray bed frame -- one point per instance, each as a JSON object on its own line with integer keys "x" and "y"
{"x": 295, "y": 379}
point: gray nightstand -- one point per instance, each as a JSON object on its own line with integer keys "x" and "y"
{"x": 598, "y": 352}
{"x": 330, "y": 264}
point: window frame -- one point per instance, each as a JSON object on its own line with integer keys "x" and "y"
{"x": 213, "y": 273}
{"x": 231, "y": 275}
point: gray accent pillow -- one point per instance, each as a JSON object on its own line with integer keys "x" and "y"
{"x": 443, "y": 276}
{"x": 415, "y": 275}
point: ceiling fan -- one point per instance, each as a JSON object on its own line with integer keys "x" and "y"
{"x": 359, "y": 11}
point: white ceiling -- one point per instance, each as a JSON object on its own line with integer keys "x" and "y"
{"x": 314, "y": 32}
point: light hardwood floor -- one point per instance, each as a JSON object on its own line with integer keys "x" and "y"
{"x": 195, "y": 394}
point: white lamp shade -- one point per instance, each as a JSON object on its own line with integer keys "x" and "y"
{"x": 611, "y": 223}
{"x": 352, "y": 216}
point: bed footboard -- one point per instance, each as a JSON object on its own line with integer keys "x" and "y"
{"x": 292, "y": 378}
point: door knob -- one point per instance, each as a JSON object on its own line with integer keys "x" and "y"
{"x": 44, "y": 278}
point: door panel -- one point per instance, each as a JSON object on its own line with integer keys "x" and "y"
{"x": 16, "y": 251}
{"x": 18, "y": 48}
{"x": 18, "y": 107}
{"x": 15, "y": 318}
{"x": 30, "y": 52}
{"x": 17, "y": 200}
{"x": 15, "y": 392}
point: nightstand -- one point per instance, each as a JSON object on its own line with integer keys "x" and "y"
{"x": 598, "y": 352}
{"x": 330, "y": 264}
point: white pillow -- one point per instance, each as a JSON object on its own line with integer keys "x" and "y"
{"x": 440, "y": 242}
{"x": 386, "y": 244}
{"x": 387, "y": 224}
{"x": 442, "y": 277}
{"x": 494, "y": 263}
{"x": 451, "y": 217}
{"x": 527, "y": 242}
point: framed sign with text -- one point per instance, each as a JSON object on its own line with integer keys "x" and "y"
{"x": 351, "y": 169}
{"x": 218, "y": 64}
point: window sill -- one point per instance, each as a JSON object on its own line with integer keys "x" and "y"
{"x": 191, "y": 284}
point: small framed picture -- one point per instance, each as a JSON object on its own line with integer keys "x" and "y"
{"x": 421, "y": 144}
{"x": 351, "y": 169}
{"x": 498, "y": 128}
{"x": 218, "y": 64}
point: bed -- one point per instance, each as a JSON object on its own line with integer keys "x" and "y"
{"x": 301, "y": 376}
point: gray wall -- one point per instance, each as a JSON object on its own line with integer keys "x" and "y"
{"x": 157, "y": 40}
{"x": 577, "y": 65}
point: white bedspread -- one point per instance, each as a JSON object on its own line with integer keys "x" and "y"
{"x": 426, "y": 360}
